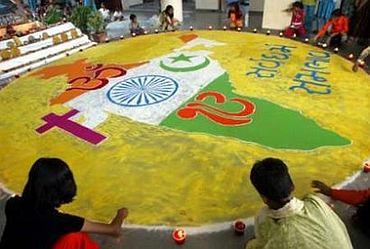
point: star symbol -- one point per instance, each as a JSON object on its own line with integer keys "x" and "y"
{"x": 181, "y": 57}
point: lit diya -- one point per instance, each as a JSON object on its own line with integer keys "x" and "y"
{"x": 367, "y": 167}
{"x": 239, "y": 227}
{"x": 179, "y": 236}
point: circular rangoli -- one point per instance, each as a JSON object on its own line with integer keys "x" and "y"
{"x": 169, "y": 125}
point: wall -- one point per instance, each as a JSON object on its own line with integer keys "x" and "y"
{"x": 207, "y": 4}
{"x": 257, "y": 5}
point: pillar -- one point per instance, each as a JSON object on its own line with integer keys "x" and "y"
{"x": 177, "y": 5}
{"x": 274, "y": 14}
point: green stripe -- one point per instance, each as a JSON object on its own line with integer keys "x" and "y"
{"x": 273, "y": 126}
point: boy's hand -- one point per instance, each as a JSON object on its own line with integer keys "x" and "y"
{"x": 321, "y": 187}
{"x": 122, "y": 213}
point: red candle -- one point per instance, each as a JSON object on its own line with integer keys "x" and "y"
{"x": 367, "y": 167}
{"x": 239, "y": 227}
{"x": 179, "y": 236}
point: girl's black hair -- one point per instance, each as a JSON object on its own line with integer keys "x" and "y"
{"x": 236, "y": 11}
{"x": 50, "y": 184}
{"x": 298, "y": 4}
{"x": 337, "y": 13}
{"x": 361, "y": 219}
{"x": 167, "y": 10}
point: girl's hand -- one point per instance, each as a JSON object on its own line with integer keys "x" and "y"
{"x": 321, "y": 188}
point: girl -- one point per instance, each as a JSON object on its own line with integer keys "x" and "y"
{"x": 167, "y": 20}
{"x": 33, "y": 220}
{"x": 235, "y": 16}
{"x": 359, "y": 198}
{"x": 296, "y": 26}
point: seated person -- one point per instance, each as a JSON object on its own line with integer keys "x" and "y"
{"x": 167, "y": 20}
{"x": 118, "y": 15}
{"x": 288, "y": 222}
{"x": 364, "y": 54}
{"x": 104, "y": 12}
{"x": 135, "y": 26}
{"x": 33, "y": 219}
{"x": 235, "y": 16}
{"x": 358, "y": 198}
{"x": 296, "y": 25}
{"x": 338, "y": 25}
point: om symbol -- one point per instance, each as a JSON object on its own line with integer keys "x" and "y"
{"x": 191, "y": 110}
{"x": 99, "y": 79}
{"x": 95, "y": 77}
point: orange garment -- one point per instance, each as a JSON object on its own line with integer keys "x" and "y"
{"x": 235, "y": 21}
{"x": 76, "y": 241}
{"x": 339, "y": 25}
{"x": 353, "y": 197}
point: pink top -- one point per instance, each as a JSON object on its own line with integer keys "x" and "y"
{"x": 297, "y": 18}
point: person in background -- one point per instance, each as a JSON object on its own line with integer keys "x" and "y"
{"x": 235, "y": 16}
{"x": 324, "y": 10}
{"x": 117, "y": 15}
{"x": 33, "y": 220}
{"x": 361, "y": 59}
{"x": 32, "y": 5}
{"x": 104, "y": 12}
{"x": 297, "y": 23}
{"x": 359, "y": 198}
{"x": 135, "y": 26}
{"x": 338, "y": 25}
{"x": 309, "y": 11}
{"x": 290, "y": 223}
{"x": 167, "y": 20}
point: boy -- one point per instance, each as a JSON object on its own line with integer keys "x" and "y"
{"x": 135, "y": 26}
{"x": 339, "y": 29}
{"x": 290, "y": 223}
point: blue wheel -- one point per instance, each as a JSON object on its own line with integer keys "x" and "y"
{"x": 142, "y": 90}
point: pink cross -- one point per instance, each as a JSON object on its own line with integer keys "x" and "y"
{"x": 63, "y": 122}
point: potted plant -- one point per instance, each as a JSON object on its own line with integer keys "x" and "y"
{"x": 80, "y": 17}
{"x": 53, "y": 16}
{"x": 96, "y": 24}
